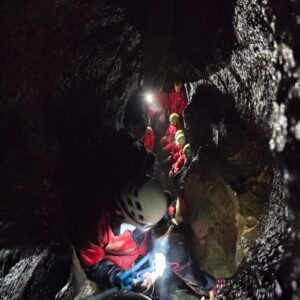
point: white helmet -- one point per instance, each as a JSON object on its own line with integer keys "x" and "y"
{"x": 143, "y": 206}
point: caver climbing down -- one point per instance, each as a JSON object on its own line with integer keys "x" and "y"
{"x": 182, "y": 158}
{"x": 168, "y": 140}
{"x": 177, "y": 98}
{"x": 122, "y": 235}
{"x": 148, "y": 139}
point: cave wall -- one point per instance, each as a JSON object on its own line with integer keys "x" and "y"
{"x": 250, "y": 76}
{"x": 63, "y": 87}
{"x": 261, "y": 77}
{"x": 257, "y": 275}
{"x": 68, "y": 69}
{"x": 238, "y": 191}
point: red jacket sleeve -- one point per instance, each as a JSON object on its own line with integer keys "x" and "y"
{"x": 178, "y": 164}
{"x": 94, "y": 251}
{"x": 171, "y": 131}
{"x": 151, "y": 139}
{"x": 171, "y": 100}
{"x": 184, "y": 103}
{"x": 148, "y": 139}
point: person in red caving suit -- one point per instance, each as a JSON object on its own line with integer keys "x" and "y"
{"x": 177, "y": 99}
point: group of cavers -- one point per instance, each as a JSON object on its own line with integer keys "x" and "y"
{"x": 147, "y": 219}
{"x": 168, "y": 108}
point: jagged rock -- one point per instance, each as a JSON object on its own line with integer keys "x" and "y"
{"x": 250, "y": 75}
{"x": 77, "y": 286}
{"x": 33, "y": 273}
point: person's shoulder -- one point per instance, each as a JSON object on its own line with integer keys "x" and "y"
{"x": 173, "y": 128}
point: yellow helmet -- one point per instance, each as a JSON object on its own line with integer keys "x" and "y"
{"x": 174, "y": 117}
{"x": 187, "y": 149}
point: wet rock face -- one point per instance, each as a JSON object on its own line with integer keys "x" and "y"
{"x": 211, "y": 212}
{"x": 250, "y": 75}
{"x": 241, "y": 163}
{"x": 257, "y": 275}
{"x": 289, "y": 99}
{"x": 260, "y": 78}
{"x": 33, "y": 273}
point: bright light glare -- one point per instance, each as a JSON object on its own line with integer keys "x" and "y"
{"x": 149, "y": 98}
{"x": 160, "y": 263}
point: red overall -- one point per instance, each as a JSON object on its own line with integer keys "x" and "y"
{"x": 178, "y": 164}
{"x": 148, "y": 139}
{"x": 174, "y": 155}
{"x": 178, "y": 102}
{"x": 170, "y": 134}
{"x": 121, "y": 249}
{"x": 176, "y": 151}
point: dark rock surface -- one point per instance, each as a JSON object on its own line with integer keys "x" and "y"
{"x": 250, "y": 76}
{"x": 232, "y": 178}
{"x": 68, "y": 69}
{"x": 257, "y": 275}
{"x": 33, "y": 273}
{"x": 64, "y": 85}
{"x": 185, "y": 39}
{"x": 260, "y": 77}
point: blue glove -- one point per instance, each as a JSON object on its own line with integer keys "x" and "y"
{"x": 124, "y": 284}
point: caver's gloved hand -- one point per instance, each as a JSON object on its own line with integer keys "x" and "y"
{"x": 149, "y": 279}
{"x": 160, "y": 263}
{"x": 105, "y": 271}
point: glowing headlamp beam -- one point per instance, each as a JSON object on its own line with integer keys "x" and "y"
{"x": 149, "y": 98}
{"x": 160, "y": 263}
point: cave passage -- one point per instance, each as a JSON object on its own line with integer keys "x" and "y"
{"x": 218, "y": 170}
{"x": 202, "y": 96}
